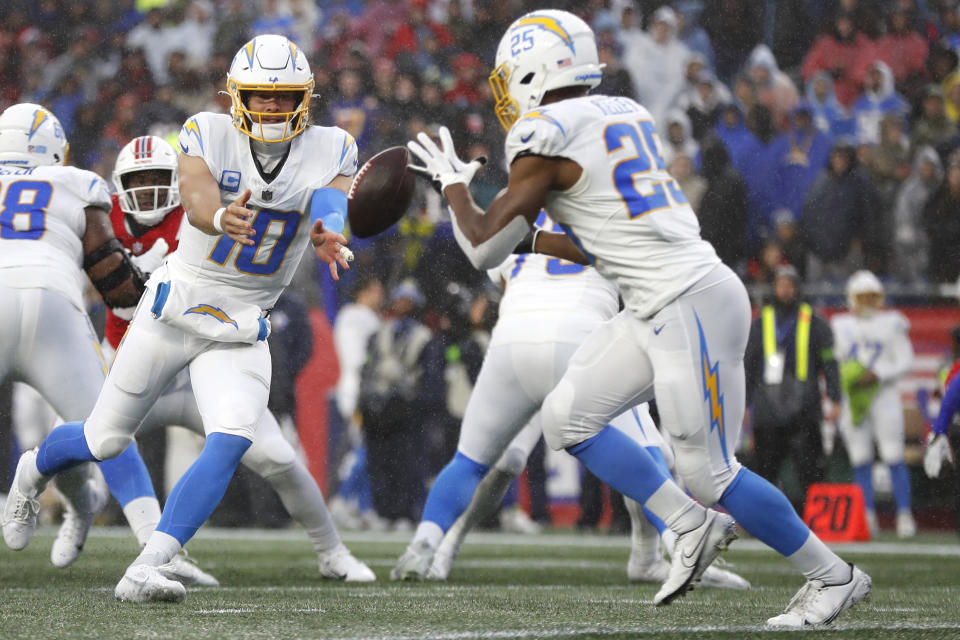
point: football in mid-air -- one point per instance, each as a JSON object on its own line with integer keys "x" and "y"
{"x": 381, "y": 192}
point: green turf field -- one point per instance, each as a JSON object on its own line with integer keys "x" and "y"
{"x": 557, "y": 585}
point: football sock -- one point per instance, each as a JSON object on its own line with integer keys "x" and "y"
{"x": 302, "y": 499}
{"x": 160, "y": 549}
{"x": 863, "y": 475}
{"x": 900, "y": 479}
{"x": 65, "y": 447}
{"x": 199, "y": 491}
{"x": 127, "y": 476}
{"x": 488, "y": 495}
{"x": 430, "y": 532}
{"x": 764, "y": 512}
{"x": 661, "y": 462}
{"x": 143, "y": 515}
{"x": 817, "y": 562}
{"x": 619, "y": 461}
{"x": 453, "y": 490}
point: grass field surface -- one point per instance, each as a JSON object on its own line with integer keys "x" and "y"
{"x": 556, "y": 585}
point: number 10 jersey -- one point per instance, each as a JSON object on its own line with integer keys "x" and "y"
{"x": 257, "y": 274}
{"x": 626, "y": 213}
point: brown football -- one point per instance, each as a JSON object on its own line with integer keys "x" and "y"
{"x": 381, "y": 192}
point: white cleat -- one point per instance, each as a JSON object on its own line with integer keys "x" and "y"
{"x": 143, "y": 583}
{"x": 516, "y": 520}
{"x": 442, "y": 564}
{"x": 185, "y": 570}
{"x": 340, "y": 564}
{"x": 414, "y": 563}
{"x": 906, "y": 525}
{"x": 693, "y": 553}
{"x": 638, "y": 571}
{"x": 820, "y": 604}
{"x": 77, "y": 519}
{"x": 718, "y": 578}
{"x": 19, "y": 518}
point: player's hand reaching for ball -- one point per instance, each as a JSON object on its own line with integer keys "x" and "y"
{"x": 235, "y": 220}
{"x": 329, "y": 247}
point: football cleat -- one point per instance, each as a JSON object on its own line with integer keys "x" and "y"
{"x": 19, "y": 519}
{"x": 77, "y": 519}
{"x": 693, "y": 553}
{"x": 414, "y": 563}
{"x": 638, "y": 571}
{"x": 340, "y": 564}
{"x": 718, "y": 578}
{"x": 516, "y": 520}
{"x": 906, "y": 525}
{"x": 819, "y": 604}
{"x": 143, "y": 583}
{"x": 185, "y": 570}
{"x": 657, "y": 571}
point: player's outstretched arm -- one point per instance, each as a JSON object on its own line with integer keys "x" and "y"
{"x": 113, "y": 274}
{"x": 200, "y": 195}
{"x": 328, "y": 243}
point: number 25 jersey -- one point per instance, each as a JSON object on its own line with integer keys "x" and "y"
{"x": 626, "y": 213}
{"x": 257, "y": 274}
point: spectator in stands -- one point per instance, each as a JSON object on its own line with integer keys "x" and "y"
{"x": 155, "y": 40}
{"x": 467, "y": 90}
{"x": 354, "y": 109}
{"x": 879, "y": 99}
{"x": 409, "y": 37}
{"x": 723, "y": 208}
{"x": 233, "y": 28}
{"x": 656, "y": 64}
{"x": 759, "y": 171}
{"x": 762, "y": 268}
{"x": 703, "y": 103}
{"x": 122, "y": 127}
{"x": 903, "y": 49}
{"x": 799, "y": 155}
{"x": 196, "y": 32}
{"x": 788, "y": 31}
{"x": 911, "y": 245}
{"x": 689, "y": 30}
{"x": 274, "y": 18}
{"x": 774, "y": 88}
{"x": 679, "y": 137}
{"x": 735, "y": 27}
{"x": 161, "y": 111}
{"x": 836, "y": 217}
{"x": 951, "y": 94}
{"x": 691, "y": 183}
{"x": 941, "y": 220}
{"x": 844, "y": 53}
{"x": 933, "y": 128}
{"x": 950, "y": 24}
{"x": 789, "y": 349}
{"x": 787, "y": 235}
{"x": 616, "y": 80}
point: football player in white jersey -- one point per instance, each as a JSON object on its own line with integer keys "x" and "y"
{"x": 595, "y": 163}
{"x": 53, "y": 222}
{"x": 873, "y": 346}
{"x": 258, "y": 186}
{"x": 549, "y": 307}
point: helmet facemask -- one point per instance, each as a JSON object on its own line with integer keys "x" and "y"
{"x": 289, "y": 124}
{"x": 150, "y": 202}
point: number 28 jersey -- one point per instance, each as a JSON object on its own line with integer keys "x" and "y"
{"x": 257, "y": 274}
{"x": 626, "y": 213}
{"x": 42, "y": 222}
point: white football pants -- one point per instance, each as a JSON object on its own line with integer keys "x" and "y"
{"x": 882, "y": 424}
{"x": 689, "y": 356}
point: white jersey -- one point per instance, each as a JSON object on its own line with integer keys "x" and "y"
{"x": 626, "y": 213}
{"x": 257, "y": 274}
{"x": 42, "y": 222}
{"x": 880, "y": 342}
{"x": 550, "y": 300}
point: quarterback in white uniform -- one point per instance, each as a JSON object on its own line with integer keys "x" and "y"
{"x": 54, "y": 225}
{"x": 873, "y": 345}
{"x": 594, "y": 162}
{"x": 257, "y": 186}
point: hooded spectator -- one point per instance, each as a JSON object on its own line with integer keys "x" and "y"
{"x": 844, "y": 53}
{"x": 774, "y": 88}
{"x": 941, "y": 219}
{"x": 911, "y": 245}
{"x": 788, "y": 31}
{"x": 879, "y": 99}
{"x": 691, "y": 183}
{"x": 678, "y": 138}
{"x": 829, "y": 115}
{"x": 689, "y": 30}
{"x": 951, "y": 95}
{"x": 656, "y": 64}
{"x": 735, "y": 27}
{"x": 933, "y": 127}
{"x": 800, "y": 155}
{"x": 723, "y": 208}
{"x": 903, "y": 49}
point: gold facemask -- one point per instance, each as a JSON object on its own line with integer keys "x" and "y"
{"x": 249, "y": 121}
{"x": 506, "y": 107}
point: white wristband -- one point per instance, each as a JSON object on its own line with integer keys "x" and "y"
{"x": 217, "y": 217}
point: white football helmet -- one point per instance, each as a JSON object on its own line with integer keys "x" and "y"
{"x": 542, "y": 51}
{"x": 270, "y": 63}
{"x": 861, "y": 283}
{"x": 147, "y": 153}
{"x": 31, "y": 136}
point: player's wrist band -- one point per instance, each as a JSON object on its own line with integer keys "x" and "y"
{"x": 217, "y": 217}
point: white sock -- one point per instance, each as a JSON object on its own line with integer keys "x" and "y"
{"x": 644, "y": 537}
{"x": 302, "y": 499}
{"x": 815, "y": 560}
{"x": 143, "y": 515}
{"x": 677, "y": 510}
{"x": 430, "y": 532}
{"x": 160, "y": 549}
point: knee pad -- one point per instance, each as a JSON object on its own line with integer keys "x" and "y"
{"x": 512, "y": 461}
{"x": 269, "y": 457}
{"x": 236, "y": 415}
{"x": 705, "y": 483}
{"x": 106, "y": 441}
{"x": 561, "y": 428}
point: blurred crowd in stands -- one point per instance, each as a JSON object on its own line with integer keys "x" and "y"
{"x": 821, "y": 134}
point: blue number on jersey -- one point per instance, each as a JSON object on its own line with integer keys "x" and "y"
{"x": 13, "y": 206}
{"x": 647, "y": 159}
{"x": 560, "y": 267}
{"x": 247, "y": 261}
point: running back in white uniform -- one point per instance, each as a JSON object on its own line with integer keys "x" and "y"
{"x": 880, "y": 342}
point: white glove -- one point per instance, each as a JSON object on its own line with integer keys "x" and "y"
{"x": 442, "y": 166}
{"x": 153, "y": 258}
{"x": 937, "y": 452}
